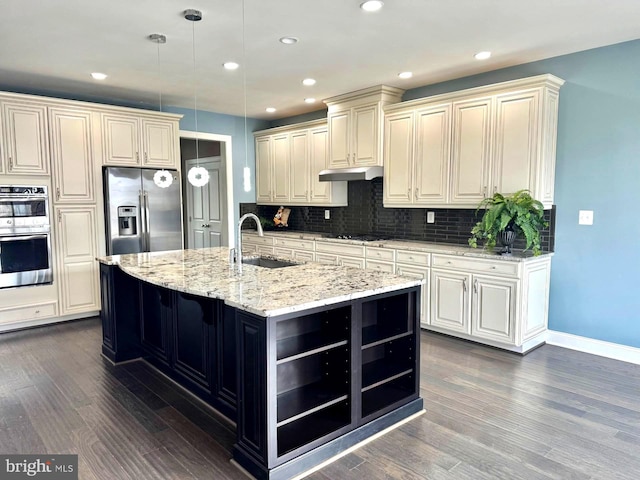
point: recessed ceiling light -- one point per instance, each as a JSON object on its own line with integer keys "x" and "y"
{"x": 308, "y": 82}
{"x": 230, "y": 65}
{"x": 288, "y": 40}
{"x": 270, "y": 109}
{"x": 405, "y": 75}
{"x": 371, "y": 5}
{"x": 482, "y": 55}
{"x": 99, "y": 76}
{"x": 310, "y": 100}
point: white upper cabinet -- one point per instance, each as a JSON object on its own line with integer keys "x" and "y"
{"x": 356, "y": 126}
{"x": 72, "y": 152}
{"x": 470, "y": 155}
{"x": 471, "y": 144}
{"x": 135, "y": 140}
{"x": 417, "y": 156}
{"x": 288, "y": 163}
{"x": 25, "y": 142}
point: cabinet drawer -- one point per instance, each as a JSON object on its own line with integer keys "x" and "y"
{"x": 327, "y": 258}
{"x": 293, "y": 243}
{"x": 413, "y": 258}
{"x": 380, "y": 266}
{"x": 33, "y": 312}
{"x": 303, "y": 255}
{"x": 283, "y": 252}
{"x": 257, "y": 240}
{"x": 496, "y": 267}
{"x": 376, "y": 253}
{"x": 264, "y": 250}
{"x": 351, "y": 262}
{"x": 340, "y": 249}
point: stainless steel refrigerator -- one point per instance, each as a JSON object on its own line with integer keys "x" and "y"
{"x": 140, "y": 216}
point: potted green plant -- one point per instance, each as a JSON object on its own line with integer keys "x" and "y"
{"x": 505, "y": 217}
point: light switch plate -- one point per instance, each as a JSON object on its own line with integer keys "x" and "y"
{"x": 431, "y": 217}
{"x": 327, "y": 214}
{"x": 585, "y": 217}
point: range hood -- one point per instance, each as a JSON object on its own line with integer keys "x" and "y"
{"x": 353, "y": 173}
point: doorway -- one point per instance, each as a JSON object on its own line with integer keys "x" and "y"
{"x": 208, "y": 210}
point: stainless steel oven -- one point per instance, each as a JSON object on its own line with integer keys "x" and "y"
{"x": 25, "y": 236}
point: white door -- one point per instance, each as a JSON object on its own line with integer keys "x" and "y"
{"x": 365, "y": 136}
{"x": 281, "y": 167}
{"x": 121, "y": 139}
{"x": 493, "y": 308}
{"x": 515, "y": 145}
{"x": 25, "y": 138}
{"x": 432, "y": 154}
{"x": 264, "y": 170}
{"x": 299, "y": 142}
{"x": 339, "y": 124}
{"x": 471, "y": 150}
{"x": 450, "y": 300}
{"x": 159, "y": 139}
{"x": 206, "y": 206}
{"x": 398, "y": 159}
{"x": 318, "y": 161}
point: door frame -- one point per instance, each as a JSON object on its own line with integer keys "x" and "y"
{"x": 225, "y": 151}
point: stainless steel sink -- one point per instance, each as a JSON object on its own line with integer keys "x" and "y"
{"x": 266, "y": 262}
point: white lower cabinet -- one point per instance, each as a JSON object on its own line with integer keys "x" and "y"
{"x": 493, "y": 308}
{"x": 77, "y": 275}
{"x": 450, "y": 300}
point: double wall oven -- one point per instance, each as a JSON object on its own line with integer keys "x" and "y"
{"x": 25, "y": 236}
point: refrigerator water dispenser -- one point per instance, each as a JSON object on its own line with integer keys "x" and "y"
{"x": 127, "y": 221}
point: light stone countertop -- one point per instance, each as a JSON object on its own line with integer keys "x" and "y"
{"x": 263, "y": 291}
{"x": 413, "y": 245}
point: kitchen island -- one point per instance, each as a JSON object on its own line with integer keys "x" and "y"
{"x": 308, "y": 360}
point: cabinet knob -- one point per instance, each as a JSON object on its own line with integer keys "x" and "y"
{"x": 10, "y": 164}
{"x": 37, "y": 312}
{"x": 464, "y": 284}
{"x": 57, "y": 193}
{"x": 484, "y": 191}
{"x": 416, "y": 193}
{"x": 475, "y": 286}
{"x": 137, "y": 156}
{"x": 493, "y": 267}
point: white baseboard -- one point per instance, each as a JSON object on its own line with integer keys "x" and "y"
{"x": 601, "y": 348}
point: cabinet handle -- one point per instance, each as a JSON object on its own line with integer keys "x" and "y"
{"x": 10, "y": 164}
{"x": 409, "y": 193}
{"x": 37, "y": 312}
{"x": 464, "y": 284}
{"x": 137, "y": 156}
{"x": 493, "y": 267}
{"x": 57, "y": 193}
{"x": 59, "y": 216}
{"x": 146, "y": 158}
{"x": 475, "y": 286}
{"x": 484, "y": 191}
{"x": 416, "y": 193}
{"x": 495, "y": 189}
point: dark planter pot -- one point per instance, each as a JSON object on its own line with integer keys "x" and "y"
{"x": 506, "y": 238}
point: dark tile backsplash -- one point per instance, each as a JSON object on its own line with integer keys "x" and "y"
{"x": 366, "y": 215}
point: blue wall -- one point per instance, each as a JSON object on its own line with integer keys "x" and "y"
{"x": 594, "y": 290}
{"x": 221, "y": 124}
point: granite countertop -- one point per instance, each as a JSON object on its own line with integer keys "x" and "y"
{"x": 265, "y": 292}
{"x": 413, "y": 245}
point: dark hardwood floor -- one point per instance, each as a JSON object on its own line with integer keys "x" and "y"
{"x": 554, "y": 413}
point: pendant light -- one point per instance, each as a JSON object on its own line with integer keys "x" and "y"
{"x": 198, "y": 176}
{"x": 162, "y": 178}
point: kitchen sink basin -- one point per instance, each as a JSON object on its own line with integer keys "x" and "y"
{"x": 267, "y": 262}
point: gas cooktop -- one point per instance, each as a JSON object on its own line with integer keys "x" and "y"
{"x": 359, "y": 237}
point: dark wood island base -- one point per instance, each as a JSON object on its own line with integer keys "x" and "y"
{"x": 301, "y": 387}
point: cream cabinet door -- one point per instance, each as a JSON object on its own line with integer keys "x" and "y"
{"x": 26, "y": 145}
{"x": 318, "y": 161}
{"x": 493, "y": 308}
{"x": 77, "y": 275}
{"x": 263, "y": 169}
{"x": 422, "y": 274}
{"x": 471, "y": 151}
{"x": 432, "y": 154}
{"x": 72, "y": 152}
{"x": 299, "y": 142}
{"x": 515, "y": 142}
{"x": 398, "y": 159}
{"x": 159, "y": 143}
{"x": 121, "y": 139}
{"x": 450, "y": 307}
{"x": 365, "y": 143}
{"x": 339, "y": 138}
{"x": 281, "y": 167}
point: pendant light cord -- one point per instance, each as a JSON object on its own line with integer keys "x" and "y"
{"x": 244, "y": 83}
{"x": 195, "y": 96}
{"x": 159, "y": 78}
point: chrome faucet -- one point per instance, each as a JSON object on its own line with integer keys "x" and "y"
{"x": 235, "y": 254}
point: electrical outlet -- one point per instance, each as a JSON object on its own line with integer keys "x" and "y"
{"x": 585, "y": 217}
{"x": 431, "y": 217}
{"x": 327, "y": 214}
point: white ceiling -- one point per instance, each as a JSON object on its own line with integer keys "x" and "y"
{"x": 53, "y": 45}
